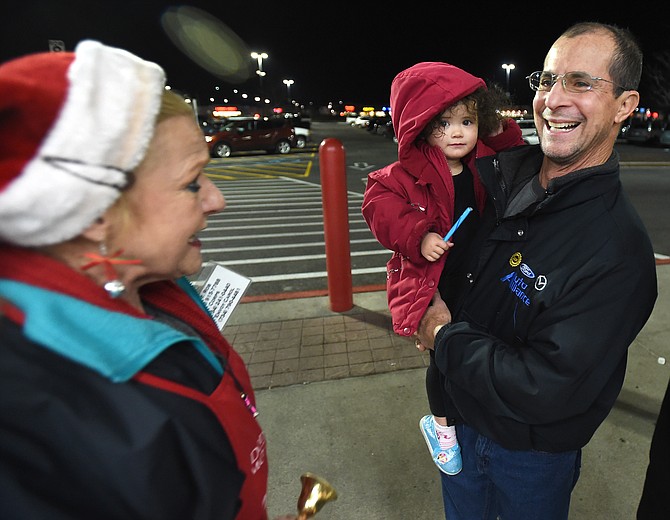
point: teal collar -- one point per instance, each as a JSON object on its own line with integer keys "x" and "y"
{"x": 114, "y": 344}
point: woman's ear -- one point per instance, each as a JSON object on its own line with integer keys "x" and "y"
{"x": 631, "y": 98}
{"x": 97, "y": 231}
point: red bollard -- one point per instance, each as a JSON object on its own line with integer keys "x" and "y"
{"x": 336, "y": 224}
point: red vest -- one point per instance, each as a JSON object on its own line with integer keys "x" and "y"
{"x": 244, "y": 434}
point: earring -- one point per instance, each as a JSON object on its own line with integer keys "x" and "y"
{"x": 114, "y": 286}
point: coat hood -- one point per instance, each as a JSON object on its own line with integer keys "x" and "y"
{"x": 421, "y": 92}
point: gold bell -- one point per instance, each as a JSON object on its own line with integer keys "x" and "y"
{"x": 315, "y": 492}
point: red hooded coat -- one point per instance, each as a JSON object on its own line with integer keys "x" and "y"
{"x": 414, "y": 195}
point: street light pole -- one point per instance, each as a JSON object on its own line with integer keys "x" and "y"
{"x": 260, "y": 56}
{"x": 288, "y": 83}
{"x": 508, "y": 68}
{"x": 260, "y": 79}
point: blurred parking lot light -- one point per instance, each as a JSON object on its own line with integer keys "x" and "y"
{"x": 288, "y": 83}
{"x": 260, "y": 56}
{"x": 508, "y": 68}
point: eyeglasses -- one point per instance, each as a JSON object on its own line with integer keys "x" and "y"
{"x": 575, "y": 82}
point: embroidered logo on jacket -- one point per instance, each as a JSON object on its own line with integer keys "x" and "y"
{"x": 515, "y": 259}
{"x": 518, "y": 286}
{"x": 527, "y": 271}
{"x": 519, "y": 281}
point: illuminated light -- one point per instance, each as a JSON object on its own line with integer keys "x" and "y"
{"x": 349, "y": 108}
{"x": 368, "y": 109}
{"x": 226, "y": 113}
{"x": 508, "y": 68}
{"x": 278, "y": 110}
{"x": 226, "y": 109}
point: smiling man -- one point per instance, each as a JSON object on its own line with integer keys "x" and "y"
{"x": 565, "y": 278}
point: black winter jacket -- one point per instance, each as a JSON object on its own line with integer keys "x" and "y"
{"x": 536, "y": 354}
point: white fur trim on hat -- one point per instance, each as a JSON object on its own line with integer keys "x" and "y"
{"x": 101, "y": 133}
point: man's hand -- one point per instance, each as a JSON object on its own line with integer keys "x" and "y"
{"x": 438, "y": 314}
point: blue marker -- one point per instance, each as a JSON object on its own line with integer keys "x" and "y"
{"x": 460, "y": 220}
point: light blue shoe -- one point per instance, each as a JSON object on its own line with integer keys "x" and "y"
{"x": 448, "y": 461}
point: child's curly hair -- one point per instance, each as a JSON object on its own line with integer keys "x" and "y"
{"x": 483, "y": 105}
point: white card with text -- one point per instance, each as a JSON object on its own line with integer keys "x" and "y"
{"x": 222, "y": 289}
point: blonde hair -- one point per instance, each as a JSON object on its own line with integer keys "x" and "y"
{"x": 173, "y": 105}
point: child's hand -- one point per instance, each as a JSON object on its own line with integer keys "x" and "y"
{"x": 433, "y": 247}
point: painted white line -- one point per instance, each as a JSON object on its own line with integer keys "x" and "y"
{"x": 249, "y": 261}
{"x": 303, "y": 276}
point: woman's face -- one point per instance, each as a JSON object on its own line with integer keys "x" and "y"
{"x": 168, "y": 204}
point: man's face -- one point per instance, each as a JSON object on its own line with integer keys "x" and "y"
{"x": 578, "y": 130}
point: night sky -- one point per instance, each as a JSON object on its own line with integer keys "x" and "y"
{"x": 347, "y": 53}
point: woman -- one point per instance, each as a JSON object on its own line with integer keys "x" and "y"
{"x": 119, "y": 398}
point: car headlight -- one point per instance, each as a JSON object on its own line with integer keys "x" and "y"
{"x": 208, "y": 138}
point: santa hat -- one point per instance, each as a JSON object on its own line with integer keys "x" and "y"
{"x": 72, "y": 125}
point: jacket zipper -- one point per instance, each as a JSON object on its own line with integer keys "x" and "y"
{"x": 503, "y": 186}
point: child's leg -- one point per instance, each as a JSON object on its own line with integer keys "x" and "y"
{"x": 434, "y": 389}
{"x": 446, "y": 435}
{"x": 438, "y": 430}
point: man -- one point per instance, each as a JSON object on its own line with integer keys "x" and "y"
{"x": 564, "y": 280}
{"x": 653, "y": 502}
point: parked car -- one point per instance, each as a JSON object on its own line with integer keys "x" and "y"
{"x": 623, "y": 131}
{"x": 377, "y": 125}
{"x": 390, "y": 132}
{"x": 664, "y": 137}
{"x": 361, "y": 121}
{"x": 303, "y": 131}
{"x": 528, "y": 131}
{"x": 247, "y": 133}
{"x": 645, "y": 131}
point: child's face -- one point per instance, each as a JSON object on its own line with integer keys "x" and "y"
{"x": 457, "y": 133}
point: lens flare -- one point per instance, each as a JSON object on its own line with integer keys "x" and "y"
{"x": 208, "y": 42}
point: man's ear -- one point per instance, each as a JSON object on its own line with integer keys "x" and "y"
{"x": 629, "y": 102}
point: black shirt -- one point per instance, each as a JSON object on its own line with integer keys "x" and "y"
{"x": 452, "y": 280}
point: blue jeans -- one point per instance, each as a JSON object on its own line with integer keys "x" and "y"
{"x": 509, "y": 485}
